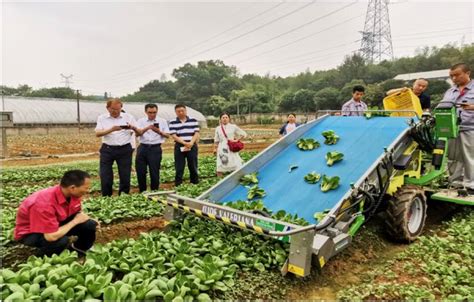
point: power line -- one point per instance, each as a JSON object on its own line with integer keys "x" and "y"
{"x": 229, "y": 40}
{"x": 253, "y": 30}
{"x": 300, "y": 39}
{"x": 287, "y": 32}
{"x": 309, "y": 60}
{"x": 311, "y": 53}
{"x": 291, "y": 30}
{"x": 432, "y": 32}
{"x": 431, "y": 36}
{"x": 202, "y": 42}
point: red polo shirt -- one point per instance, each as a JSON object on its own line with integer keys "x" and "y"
{"x": 43, "y": 211}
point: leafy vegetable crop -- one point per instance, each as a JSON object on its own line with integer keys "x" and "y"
{"x": 255, "y": 192}
{"x": 307, "y": 144}
{"x": 331, "y": 138}
{"x": 312, "y": 177}
{"x": 333, "y": 157}
{"x": 329, "y": 183}
{"x": 249, "y": 179}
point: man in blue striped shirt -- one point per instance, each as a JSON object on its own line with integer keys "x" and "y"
{"x": 185, "y": 132}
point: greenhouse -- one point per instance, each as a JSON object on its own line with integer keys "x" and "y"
{"x": 30, "y": 111}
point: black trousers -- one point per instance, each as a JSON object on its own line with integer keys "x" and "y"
{"x": 180, "y": 159}
{"x": 148, "y": 156}
{"x": 123, "y": 156}
{"x": 84, "y": 231}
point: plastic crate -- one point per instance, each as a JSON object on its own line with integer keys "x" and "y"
{"x": 406, "y": 100}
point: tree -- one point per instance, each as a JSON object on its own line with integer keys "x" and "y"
{"x": 437, "y": 87}
{"x": 326, "y": 99}
{"x": 195, "y": 84}
{"x": 55, "y": 92}
{"x": 392, "y": 83}
{"x": 353, "y": 67}
{"x": 377, "y": 73}
{"x": 287, "y": 102}
{"x": 304, "y": 100}
{"x": 374, "y": 95}
{"x": 241, "y": 101}
{"x": 21, "y": 90}
{"x": 217, "y": 105}
{"x": 227, "y": 84}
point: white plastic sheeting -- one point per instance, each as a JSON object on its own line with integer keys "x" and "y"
{"x": 62, "y": 111}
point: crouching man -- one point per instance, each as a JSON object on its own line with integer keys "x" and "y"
{"x": 51, "y": 219}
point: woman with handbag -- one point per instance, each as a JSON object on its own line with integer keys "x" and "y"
{"x": 227, "y": 145}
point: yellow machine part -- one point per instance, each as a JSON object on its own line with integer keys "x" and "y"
{"x": 413, "y": 170}
{"x": 406, "y": 100}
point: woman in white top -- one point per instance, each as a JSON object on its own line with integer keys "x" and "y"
{"x": 227, "y": 161}
{"x": 290, "y": 125}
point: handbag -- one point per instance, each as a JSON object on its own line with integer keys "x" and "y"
{"x": 233, "y": 146}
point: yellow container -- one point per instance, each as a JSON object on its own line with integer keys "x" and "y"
{"x": 406, "y": 100}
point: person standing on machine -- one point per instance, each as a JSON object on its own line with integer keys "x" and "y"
{"x": 461, "y": 149}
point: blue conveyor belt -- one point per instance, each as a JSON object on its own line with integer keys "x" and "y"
{"x": 362, "y": 142}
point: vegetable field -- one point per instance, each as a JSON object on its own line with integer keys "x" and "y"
{"x": 199, "y": 260}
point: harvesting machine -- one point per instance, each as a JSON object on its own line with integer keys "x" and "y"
{"x": 394, "y": 161}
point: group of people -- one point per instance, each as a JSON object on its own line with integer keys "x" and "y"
{"x": 51, "y": 219}
{"x": 356, "y": 107}
{"x": 461, "y": 149}
{"x": 118, "y": 131}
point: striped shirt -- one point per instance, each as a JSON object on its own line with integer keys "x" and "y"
{"x": 184, "y": 130}
{"x": 353, "y": 108}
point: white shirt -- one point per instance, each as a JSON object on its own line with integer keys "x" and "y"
{"x": 290, "y": 127}
{"x": 150, "y": 137}
{"x": 116, "y": 138}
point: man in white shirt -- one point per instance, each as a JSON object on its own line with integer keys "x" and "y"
{"x": 152, "y": 132}
{"x": 116, "y": 129}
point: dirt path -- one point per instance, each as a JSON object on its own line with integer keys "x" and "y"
{"x": 204, "y": 150}
{"x": 370, "y": 249}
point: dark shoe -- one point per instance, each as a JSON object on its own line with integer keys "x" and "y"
{"x": 470, "y": 191}
{"x": 463, "y": 192}
{"x": 79, "y": 251}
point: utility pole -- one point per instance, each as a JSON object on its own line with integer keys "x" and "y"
{"x": 78, "y": 110}
{"x": 67, "y": 80}
{"x": 376, "y": 44}
{"x": 3, "y": 100}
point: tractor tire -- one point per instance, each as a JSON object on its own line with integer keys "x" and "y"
{"x": 406, "y": 213}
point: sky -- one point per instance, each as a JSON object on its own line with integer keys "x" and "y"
{"x": 117, "y": 47}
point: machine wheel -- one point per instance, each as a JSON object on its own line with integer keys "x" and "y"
{"x": 406, "y": 213}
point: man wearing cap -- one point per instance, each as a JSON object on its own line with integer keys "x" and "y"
{"x": 115, "y": 128}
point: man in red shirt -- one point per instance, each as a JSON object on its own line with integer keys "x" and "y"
{"x": 48, "y": 218}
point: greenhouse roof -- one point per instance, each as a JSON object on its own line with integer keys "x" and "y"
{"x": 64, "y": 111}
